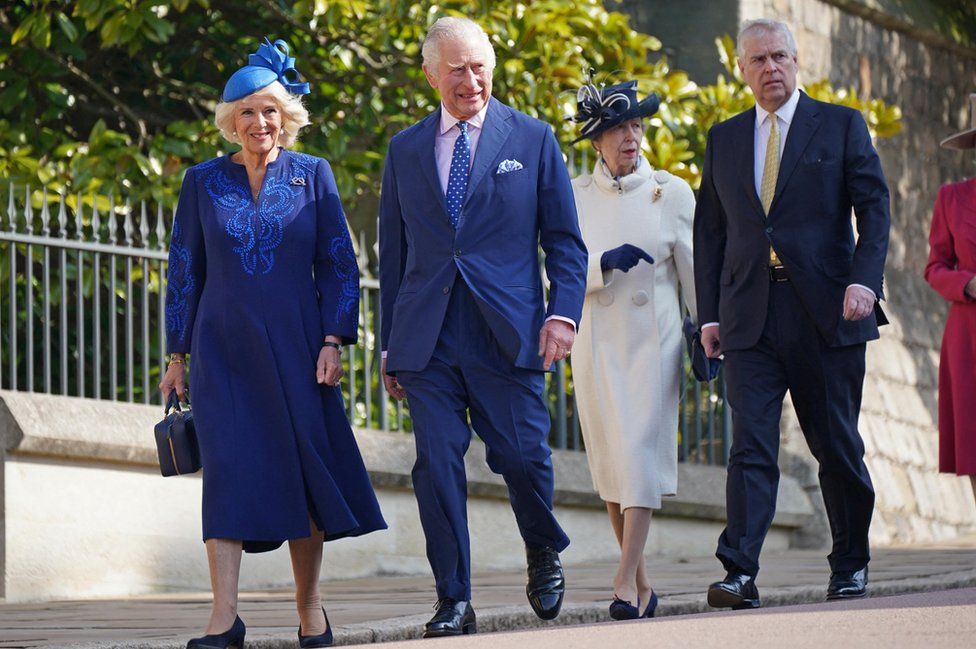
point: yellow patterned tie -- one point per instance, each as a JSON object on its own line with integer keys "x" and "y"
{"x": 770, "y": 173}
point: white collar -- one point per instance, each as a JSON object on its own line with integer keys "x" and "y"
{"x": 784, "y": 112}
{"x": 448, "y": 121}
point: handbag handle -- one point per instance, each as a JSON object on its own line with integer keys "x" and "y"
{"x": 173, "y": 402}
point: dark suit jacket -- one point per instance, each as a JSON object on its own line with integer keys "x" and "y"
{"x": 504, "y": 219}
{"x": 829, "y": 165}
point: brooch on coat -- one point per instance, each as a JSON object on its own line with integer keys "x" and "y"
{"x": 660, "y": 176}
{"x": 298, "y": 181}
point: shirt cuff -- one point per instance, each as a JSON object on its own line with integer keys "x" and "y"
{"x": 875, "y": 295}
{"x": 708, "y": 324}
{"x": 563, "y": 319}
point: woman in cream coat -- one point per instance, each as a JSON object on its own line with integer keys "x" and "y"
{"x": 627, "y": 361}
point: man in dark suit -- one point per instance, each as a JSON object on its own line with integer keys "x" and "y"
{"x": 790, "y": 299}
{"x": 469, "y": 194}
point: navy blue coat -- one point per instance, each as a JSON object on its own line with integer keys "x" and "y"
{"x": 504, "y": 219}
{"x": 829, "y": 165}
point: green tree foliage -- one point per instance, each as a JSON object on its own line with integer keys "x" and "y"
{"x": 117, "y": 96}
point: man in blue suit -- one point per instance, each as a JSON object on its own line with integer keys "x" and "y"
{"x": 469, "y": 194}
{"x": 790, "y": 298}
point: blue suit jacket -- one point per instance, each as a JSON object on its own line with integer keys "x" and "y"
{"x": 828, "y": 166}
{"x": 495, "y": 248}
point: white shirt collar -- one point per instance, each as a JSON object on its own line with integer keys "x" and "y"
{"x": 784, "y": 112}
{"x": 448, "y": 121}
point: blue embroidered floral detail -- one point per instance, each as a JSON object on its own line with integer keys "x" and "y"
{"x": 180, "y": 286}
{"x": 258, "y": 228}
{"x": 344, "y": 264}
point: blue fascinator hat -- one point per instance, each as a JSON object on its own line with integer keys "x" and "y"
{"x": 599, "y": 108}
{"x": 269, "y": 64}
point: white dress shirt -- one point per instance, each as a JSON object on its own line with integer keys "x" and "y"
{"x": 761, "y": 138}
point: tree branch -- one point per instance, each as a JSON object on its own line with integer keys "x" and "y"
{"x": 91, "y": 83}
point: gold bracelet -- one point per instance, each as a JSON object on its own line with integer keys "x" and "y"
{"x": 176, "y": 360}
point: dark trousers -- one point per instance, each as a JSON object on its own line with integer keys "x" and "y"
{"x": 469, "y": 376}
{"x": 825, "y": 385}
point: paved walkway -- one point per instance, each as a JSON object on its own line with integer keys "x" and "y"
{"x": 394, "y": 608}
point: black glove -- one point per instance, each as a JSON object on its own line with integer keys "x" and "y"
{"x": 624, "y": 258}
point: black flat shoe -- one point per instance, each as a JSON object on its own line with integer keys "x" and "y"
{"x": 737, "y": 591}
{"x": 320, "y": 640}
{"x": 547, "y": 584}
{"x": 623, "y": 610}
{"x": 848, "y": 584}
{"x": 231, "y": 638}
{"x": 453, "y": 617}
{"x": 651, "y": 606}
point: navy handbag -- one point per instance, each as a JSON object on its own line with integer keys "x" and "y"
{"x": 176, "y": 439}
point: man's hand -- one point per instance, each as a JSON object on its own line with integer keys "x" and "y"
{"x": 858, "y": 303}
{"x": 970, "y": 289}
{"x": 328, "y": 368}
{"x": 555, "y": 340}
{"x": 710, "y": 341}
{"x": 393, "y": 387}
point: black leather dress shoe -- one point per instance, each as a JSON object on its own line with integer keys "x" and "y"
{"x": 547, "y": 584}
{"x": 848, "y": 584}
{"x": 232, "y": 637}
{"x": 453, "y": 617}
{"x": 737, "y": 591}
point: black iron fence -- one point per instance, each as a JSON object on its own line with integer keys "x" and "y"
{"x": 82, "y": 291}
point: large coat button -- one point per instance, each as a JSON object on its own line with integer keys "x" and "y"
{"x": 605, "y": 297}
{"x": 640, "y": 298}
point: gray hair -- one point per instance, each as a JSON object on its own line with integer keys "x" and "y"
{"x": 450, "y": 28}
{"x": 764, "y": 26}
{"x": 294, "y": 116}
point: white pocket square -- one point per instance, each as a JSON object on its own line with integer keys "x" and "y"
{"x": 508, "y": 165}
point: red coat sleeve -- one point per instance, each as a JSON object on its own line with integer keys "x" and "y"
{"x": 941, "y": 272}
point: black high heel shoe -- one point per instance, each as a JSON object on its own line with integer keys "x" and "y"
{"x": 232, "y": 637}
{"x": 651, "y": 606}
{"x": 623, "y": 610}
{"x": 321, "y": 640}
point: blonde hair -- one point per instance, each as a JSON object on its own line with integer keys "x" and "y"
{"x": 294, "y": 116}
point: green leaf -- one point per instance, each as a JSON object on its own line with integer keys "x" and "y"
{"x": 67, "y": 27}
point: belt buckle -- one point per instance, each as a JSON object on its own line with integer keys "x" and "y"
{"x": 778, "y": 274}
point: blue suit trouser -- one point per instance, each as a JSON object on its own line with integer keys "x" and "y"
{"x": 825, "y": 386}
{"x": 469, "y": 376}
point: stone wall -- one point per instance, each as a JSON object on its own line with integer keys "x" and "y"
{"x": 899, "y": 421}
{"x": 85, "y": 513}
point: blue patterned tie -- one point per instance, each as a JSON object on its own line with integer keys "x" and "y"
{"x": 457, "y": 180}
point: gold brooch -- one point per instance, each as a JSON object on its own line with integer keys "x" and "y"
{"x": 658, "y": 192}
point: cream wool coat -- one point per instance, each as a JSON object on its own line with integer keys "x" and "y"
{"x": 627, "y": 359}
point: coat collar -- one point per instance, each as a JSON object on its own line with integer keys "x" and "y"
{"x": 424, "y": 148}
{"x": 494, "y": 133}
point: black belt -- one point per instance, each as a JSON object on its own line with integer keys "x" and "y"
{"x": 778, "y": 274}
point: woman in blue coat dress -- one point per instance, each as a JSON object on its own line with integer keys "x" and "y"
{"x": 263, "y": 290}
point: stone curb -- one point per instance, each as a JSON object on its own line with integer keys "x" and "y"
{"x": 518, "y": 618}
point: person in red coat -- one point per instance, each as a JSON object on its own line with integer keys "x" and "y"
{"x": 952, "y": 272}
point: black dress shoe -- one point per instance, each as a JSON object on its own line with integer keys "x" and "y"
{"x": 453, "y": 617}
{"x": 623, "y": 610}
{"x": 320, "y": 640}
{"x": 848, "y": 584}
{"x": 547, "y": 584}
{"x": 737, "y": 591}
{"x": 232, "y": 637}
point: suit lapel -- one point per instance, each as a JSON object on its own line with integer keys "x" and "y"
{"x": 495, "y": 131}
{"x": 805, "y": 123}
{"x": 424, "y": 148}
{"x": 745, "y": 145}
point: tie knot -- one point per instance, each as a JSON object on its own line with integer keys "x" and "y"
{"x": 463, "y": 126}
{"x": 773, "y": 122}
